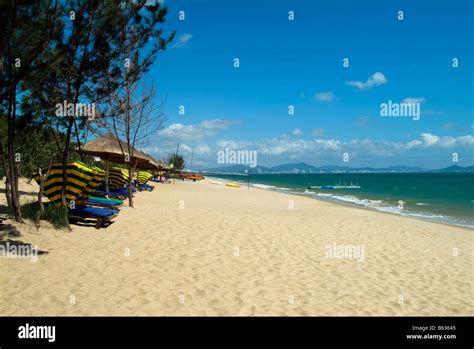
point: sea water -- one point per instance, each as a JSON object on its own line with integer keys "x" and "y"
{"x": 442, "y": 197}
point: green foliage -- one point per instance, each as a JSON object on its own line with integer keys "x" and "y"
{"x": 30, "y": 211}
{"x": 75, "y": 61}
{"x": 72, "y": 61}
{"x": 56, "y": 215}
{"x": 177, "y": 160}
{"x": 86, "y": 63}
{"x": 36, "y": 149}
{"x": 3, "y": 128}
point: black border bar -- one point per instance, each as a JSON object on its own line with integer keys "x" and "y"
{"x": 332, "y": 331}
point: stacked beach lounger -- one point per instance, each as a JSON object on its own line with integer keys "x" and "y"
{"x": 143, "y": 177}
{"x": 118, "y": 178}
{"x": 82, "y": 181}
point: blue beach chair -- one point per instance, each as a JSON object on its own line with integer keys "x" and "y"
{"x": 101, "y": 215}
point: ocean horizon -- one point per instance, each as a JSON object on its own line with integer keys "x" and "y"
{"x": 440, "y": 197}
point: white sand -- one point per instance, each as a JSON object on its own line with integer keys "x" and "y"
{"x": 235, "y": 251}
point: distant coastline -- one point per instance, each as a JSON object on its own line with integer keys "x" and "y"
{"x": 304, "y": 168}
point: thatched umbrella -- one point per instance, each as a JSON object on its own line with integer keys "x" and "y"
{"x": 108, "y": 148}
{"x": 164, "y": 166}
{"x": 153, "y": 163}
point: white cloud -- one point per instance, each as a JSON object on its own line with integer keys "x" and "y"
{"x": 467, "y": 140}
{"x": 414, "y": 100}
{"x": 297, "y": 132}
{"x": 188, "y": 133}
{"x": 286, "y": 148}
{"x": 202, "y": 149}
{"x": 375, "y": 80}
{"x": 324, "y": 96}
{"x": 428, "y": 140}
{"x": 234, "y": 144}
{"x": 184, "y": 148}
{"x": 183, "y": 40}
{"x": 282, "y": 149}
{"x": 413, "y": 144}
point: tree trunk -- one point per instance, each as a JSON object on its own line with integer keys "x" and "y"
{"x": 107, "y": 175}
{"x": 40, "y": 192}
{"x": 13, "y": 171}
{"x": 130, "y": 178}
{"x": 78, "y": 141}
{"x": 64, "y": 162}
{"x": 8, "y": 192}
{"x": 7, "y": 176}
{"x": 43, "y": 179}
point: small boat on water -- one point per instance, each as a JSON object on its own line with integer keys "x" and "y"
{"x": 338, "y": 186}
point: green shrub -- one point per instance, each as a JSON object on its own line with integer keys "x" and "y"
{"x": 30, "y": 211}
{"x": 56, "y": 215}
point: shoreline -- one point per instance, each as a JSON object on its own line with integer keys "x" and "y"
{"x": 337, "y": 202}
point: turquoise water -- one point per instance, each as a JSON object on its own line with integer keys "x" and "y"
{"x": 441, "y": 197}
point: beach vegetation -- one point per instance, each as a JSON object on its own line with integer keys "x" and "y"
{"x": 56, "y": 215}
{"x": 70, "y": 54}
{"x": 177, "y": 160}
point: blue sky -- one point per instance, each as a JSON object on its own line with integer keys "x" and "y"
{"x": 300, "y": 63}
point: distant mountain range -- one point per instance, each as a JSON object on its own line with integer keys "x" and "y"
{"x": 303, "y": 167}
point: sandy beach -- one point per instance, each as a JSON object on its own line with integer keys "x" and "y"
{"x": 204, "y": 249}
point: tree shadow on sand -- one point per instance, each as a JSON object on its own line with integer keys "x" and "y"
{"x": 21, "y": 192}
{"x": 26, "y": 249}
{"x": 8, "y": 231}
{"x": 86, "y": 222}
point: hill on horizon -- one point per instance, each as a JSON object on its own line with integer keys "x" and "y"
{"x": 302, "y": 167}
